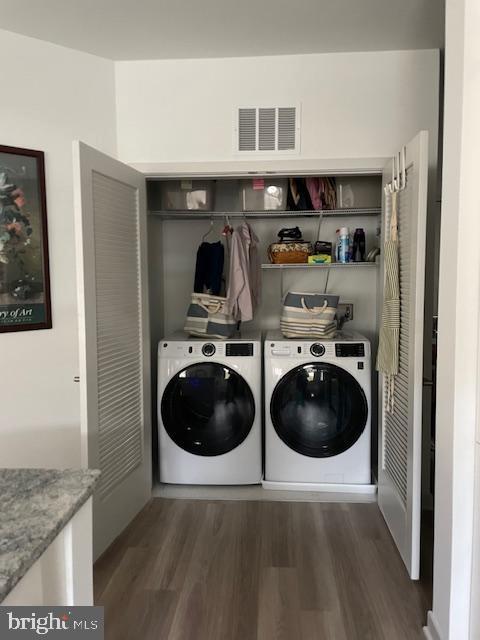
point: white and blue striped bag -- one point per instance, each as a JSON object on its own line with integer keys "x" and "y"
{"x": 207, "y": 317}
{"x": 309, "y": 315}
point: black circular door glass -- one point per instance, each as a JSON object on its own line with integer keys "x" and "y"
{"x": 208, "y": 409}
{"x": 319, "y": 410}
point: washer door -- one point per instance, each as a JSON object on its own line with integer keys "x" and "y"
{"x": 319, "y": 410}
{"x": 208, "y": 409}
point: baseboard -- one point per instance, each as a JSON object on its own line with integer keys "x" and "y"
{"x": 365, "y": 489}
{"x": 256, "y": 492}
{"x": 431, "y": 631}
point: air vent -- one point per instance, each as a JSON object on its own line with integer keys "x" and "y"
{"x": 286, "y": 129}
{"x": 247, "y": 129}
{"x": 267, "y": 129}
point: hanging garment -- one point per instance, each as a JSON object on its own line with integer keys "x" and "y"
{"x": 298, "y": 198}
{"x": 209, "y": 268}
{"x": 313, "y": 186}
{"x": 322, "y": 192}
{"x": 388, "y": 347}
{"x": 243, "y": 292}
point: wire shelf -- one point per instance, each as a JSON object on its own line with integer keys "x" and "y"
{"x": 332, "y": 265}
{"x": 207, "y": 215}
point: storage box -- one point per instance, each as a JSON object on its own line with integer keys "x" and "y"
{"x": 264, "y": 194}
{"x": 182, "y": 195}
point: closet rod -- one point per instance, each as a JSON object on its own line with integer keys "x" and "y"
{"x": 205, "y": 215}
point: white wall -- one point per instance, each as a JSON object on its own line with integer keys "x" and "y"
{"x": 51, "y": 95}
{"x": 458, "y": 337}
{"x": 353, "y": 104}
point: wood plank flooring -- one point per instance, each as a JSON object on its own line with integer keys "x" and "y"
{"x": 218, "y": 570}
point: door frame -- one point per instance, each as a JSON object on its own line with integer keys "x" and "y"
{"x": 453, "y": 615}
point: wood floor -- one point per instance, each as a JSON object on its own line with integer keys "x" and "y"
{"x": 200, "y": 570}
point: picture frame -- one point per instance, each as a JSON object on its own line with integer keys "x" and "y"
{"x": 25, "y": 303}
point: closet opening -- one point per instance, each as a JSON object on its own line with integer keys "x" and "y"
{"x": 184, "y": 211}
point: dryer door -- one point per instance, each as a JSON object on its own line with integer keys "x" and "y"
{"x": 208, "y": 409}
{"x": 319, "y": 410}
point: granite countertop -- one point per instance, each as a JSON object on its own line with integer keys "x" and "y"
{"x": 35, "y": 505}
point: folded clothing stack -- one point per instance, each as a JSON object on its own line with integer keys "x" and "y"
{"x": 309, "y": 315}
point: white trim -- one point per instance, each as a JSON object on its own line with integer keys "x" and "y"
{"x": 245, "y": 168}
{"x": 431, "y": 630}
{"x": 255, "y": 493}
{"x": 368, "y": 489}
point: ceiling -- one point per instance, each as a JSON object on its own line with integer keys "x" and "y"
{"x": 155, "y": 29}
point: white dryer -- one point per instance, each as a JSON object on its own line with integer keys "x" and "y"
{"x": 209, "y": 410}
{"x": 318, "y": 413}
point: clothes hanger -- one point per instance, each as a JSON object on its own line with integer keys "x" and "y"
{"x": 227, "y": 229}
{"x": 205, "y": 236}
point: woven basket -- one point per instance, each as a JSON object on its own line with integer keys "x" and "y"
{"x": 289, "y": 252}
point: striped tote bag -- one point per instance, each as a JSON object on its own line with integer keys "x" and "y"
{"x": 207, "y": 317}
{"x": 309, "y": 315}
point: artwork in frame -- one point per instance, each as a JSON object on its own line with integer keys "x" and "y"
{"x": 24, "y": 274}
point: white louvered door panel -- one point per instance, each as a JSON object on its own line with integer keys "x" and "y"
{"x": 114, "y": 353}
{"x": 400, "y": 431}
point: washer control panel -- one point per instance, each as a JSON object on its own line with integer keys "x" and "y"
{"x": 317, "y": 349}
{"x": 199, "y": 349}
{"x": 208, "y": 349}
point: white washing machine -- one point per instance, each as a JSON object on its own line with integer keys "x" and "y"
{"x": 209, "y": 410}
{"x": 317, "y": 413}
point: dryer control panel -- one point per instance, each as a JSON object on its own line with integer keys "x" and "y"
{"x": 292, "y": 349}
{"x": 350, "y": 350}
{"x": 318, "y": 350}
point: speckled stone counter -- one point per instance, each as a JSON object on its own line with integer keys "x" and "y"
{"x": 35, "y": 505}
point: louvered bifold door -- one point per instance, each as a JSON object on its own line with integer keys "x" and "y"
{"x": 400, "y": 427}
{"x": 113, "y": 324}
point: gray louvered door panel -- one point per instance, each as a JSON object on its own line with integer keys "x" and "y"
{"x": 396, "y": 424}
{"x": 119, "y": 330}
{"x": 114, "y": 345}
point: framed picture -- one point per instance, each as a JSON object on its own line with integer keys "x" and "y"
{"x": 24, "y": 276}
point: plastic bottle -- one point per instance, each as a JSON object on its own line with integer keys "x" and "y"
{"x": 343, "y": 245}
{"x": 358, "y": 253}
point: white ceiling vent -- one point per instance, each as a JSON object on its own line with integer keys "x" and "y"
{"x": 267, "y": 129}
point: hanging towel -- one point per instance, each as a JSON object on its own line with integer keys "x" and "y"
{"x": 388, "y": 348}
